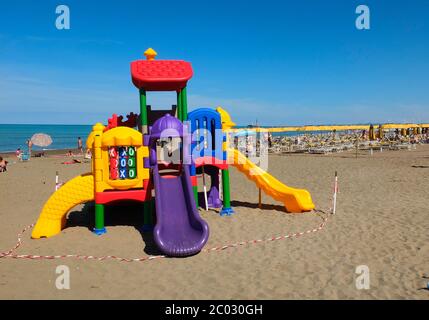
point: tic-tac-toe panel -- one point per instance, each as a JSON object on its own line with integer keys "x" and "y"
{"x": 122, "y": 162}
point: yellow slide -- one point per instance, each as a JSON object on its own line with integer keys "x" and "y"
{"x": 294, "y": 200}
{"x": 52, "y": 219}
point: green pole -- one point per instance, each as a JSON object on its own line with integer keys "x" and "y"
{"x": 143, "y": 111}
{"x": 144, "y": 123}
{"x": 184, "y": 105}
{"x": 195, "y": 189}
{"x": 178, "y": 104}
{"x": 226, "y": 189}
{"x": 99, "y": 219}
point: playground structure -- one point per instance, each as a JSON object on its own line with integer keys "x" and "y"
{"x": 155, "y": 158}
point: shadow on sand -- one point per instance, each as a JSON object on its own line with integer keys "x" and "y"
{"x": 235, "y": 203}
{"x": 120, "y": 214}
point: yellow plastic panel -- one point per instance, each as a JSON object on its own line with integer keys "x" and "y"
{"x": 52, "y": 219}
{"x": 122, "y": 136}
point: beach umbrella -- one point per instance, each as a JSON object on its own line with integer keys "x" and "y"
{"x": 41, "y": 139}
{"x": 380, "y": 132}
{"x": 371, "y": 134}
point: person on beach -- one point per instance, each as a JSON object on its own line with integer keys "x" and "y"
{"x": 3, "y": 165}
{"x": 29, "y": 145}
{"x": 88, "y": 154}
{"x": 70, "y": 153}
{"x": 18, "y": 153}
{"x": 397, "y": 138}
{"x": 79, "y": 145}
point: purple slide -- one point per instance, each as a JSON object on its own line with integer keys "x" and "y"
{"x": 179, "y": 229}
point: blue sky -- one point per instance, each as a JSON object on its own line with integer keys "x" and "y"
{"x": 280, "y": 62}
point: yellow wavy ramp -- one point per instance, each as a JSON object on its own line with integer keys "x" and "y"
{"x": 52, "y": 219}
{"x": 294, "y": 200}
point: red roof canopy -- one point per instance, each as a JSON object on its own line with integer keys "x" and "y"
{"x": 161, "y": 75}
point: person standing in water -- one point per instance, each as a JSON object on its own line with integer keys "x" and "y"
{"x": 79, "y": 145}
{"x": 30, "y": 146}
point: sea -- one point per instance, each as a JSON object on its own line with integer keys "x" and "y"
{"x": 14, "y": 136}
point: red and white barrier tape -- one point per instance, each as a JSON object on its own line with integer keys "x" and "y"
{"x": 283, "y": 237}
{"x": 10, "y": 253}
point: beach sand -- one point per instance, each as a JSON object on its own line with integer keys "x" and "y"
{"x": 381, "y": 222}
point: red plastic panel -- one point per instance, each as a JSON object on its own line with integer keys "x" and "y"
{"x": 161, "y": 75}
{"x": 133, "y": 194}
{"x": 211, "y": 161}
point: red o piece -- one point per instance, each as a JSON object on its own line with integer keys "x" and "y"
{"x": 114, "y": 173}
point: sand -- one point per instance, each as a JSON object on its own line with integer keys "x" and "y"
{"x": 381, "y": 222}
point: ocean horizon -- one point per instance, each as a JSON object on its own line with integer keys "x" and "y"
{"x": 14, "y": 136}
